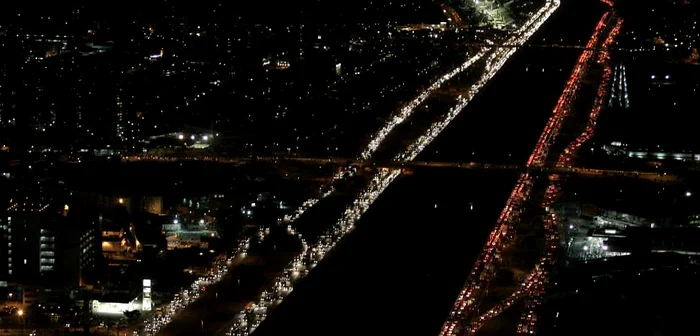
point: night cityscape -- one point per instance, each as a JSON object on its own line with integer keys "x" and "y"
{"x": 412, "y": 167}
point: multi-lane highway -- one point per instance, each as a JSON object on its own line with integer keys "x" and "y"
{"x": 249, "y": 320}
{"x": 528, "y": 320}
{"x": 463, "y": 317}
{"x": 313, "y": 253}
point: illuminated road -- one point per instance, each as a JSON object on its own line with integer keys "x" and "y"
{"x": 528, "y": 320}
{"x": 251, "y": 317}
{"x": 464, "y": 318}
{"x": 650, "y": 174}
{"x": 533, "y": 45}
{"x": 247, "y": 321}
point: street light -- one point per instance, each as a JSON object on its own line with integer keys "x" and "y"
{"x": 20, "y": 314}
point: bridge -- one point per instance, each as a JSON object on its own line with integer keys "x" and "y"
{"x": 534, "y": 45}
{"x": 653, "y": 174}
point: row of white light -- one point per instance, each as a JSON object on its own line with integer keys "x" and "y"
{"x": 251, "y": 318}
{"x": 186, "y": 297}
{"x": 220, "y": 268}
{"x": 494, "y": 62}
{"x": 247, "y": 320}
{"x": 383, "y": 179}
{"x": 407, "y": 110}
{"x": 158, "y": 322}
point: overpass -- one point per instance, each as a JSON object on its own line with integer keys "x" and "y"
{"x": 534, "y": 45}
{"x": 653, "y": 174}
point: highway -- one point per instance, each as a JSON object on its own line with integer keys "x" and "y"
{"x": 251, "y": 317}
{"x": 528, "y": 320}
{"x": 654, "y": 174}
{"x": 464, "y": 318}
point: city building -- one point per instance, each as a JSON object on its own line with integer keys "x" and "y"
{"x": 109, "y": 202}
{"x": 46, "y": 247}
{"x": 622, "y": 149}
{"x": 31, "y": 242}
{"x": 114, "y": 243}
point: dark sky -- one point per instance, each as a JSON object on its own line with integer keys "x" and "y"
{"x": 313, "y": 11}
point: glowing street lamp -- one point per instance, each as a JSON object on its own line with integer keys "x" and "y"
{"x": 20, "y": 314}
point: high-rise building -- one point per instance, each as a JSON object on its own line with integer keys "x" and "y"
{"x": 31, "y": 239}
{"x": 40, "y": 241}
{"x": 119, "y": 119}
{"x": 5, "y": 258}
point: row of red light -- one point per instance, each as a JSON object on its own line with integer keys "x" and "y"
{"x": 608, "y": 2}
{"x": 565, "y": 158}
{"x": 523, "y": 186}
{"x": 478, "y": 277}
{"x": 495, "y": 243}
{"x": 564, "y": 103}
{"x": 527, "y": 322}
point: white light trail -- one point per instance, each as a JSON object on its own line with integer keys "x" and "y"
{"x": 256, "y": 314}
{"x": 220, "y": 268}
{"x": 248, "y": 320}
{"x": 183, "y": 299}
{"x": 407, "y": 110}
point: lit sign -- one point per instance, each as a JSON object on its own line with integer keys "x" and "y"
{"x": 610, "y": 231}
{"x": 146, "y": 303}
{"x": 112, "y": 308}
